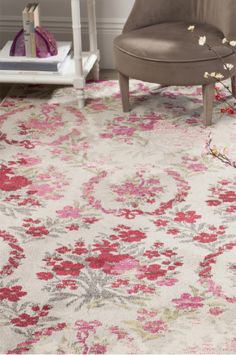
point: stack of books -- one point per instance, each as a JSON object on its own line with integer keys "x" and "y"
{"x": 30, "y": 61}
{"x": 48, "y": 65}
{"x": 31, "y": 19}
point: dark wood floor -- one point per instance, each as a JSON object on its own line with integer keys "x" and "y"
{"x": 109, "y": 74}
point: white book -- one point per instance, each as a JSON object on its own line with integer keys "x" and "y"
{"x": 36, "y": 16}
{"x": 51, "y": 64}
{"x": 26, "y": 27}
{"x": 32, "y": 32}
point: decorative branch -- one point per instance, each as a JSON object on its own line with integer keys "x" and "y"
{"x": 212, "y": 150}
{"x": 202, "y": 40}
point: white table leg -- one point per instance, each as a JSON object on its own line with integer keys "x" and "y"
{"x": 79, "y": 81}
{"x": 93, "y": 35}
{"x": 96, "y": 71}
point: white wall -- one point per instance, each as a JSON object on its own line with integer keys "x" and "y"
{"x": 56, "y": 16}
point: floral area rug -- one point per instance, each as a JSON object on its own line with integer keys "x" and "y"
{"x": 118, "y": 231}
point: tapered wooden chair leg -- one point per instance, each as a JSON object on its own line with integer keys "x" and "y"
{"x": 124, "y": 90}
{"x": 208, "y": 101}
{"x": 233, "y": 79}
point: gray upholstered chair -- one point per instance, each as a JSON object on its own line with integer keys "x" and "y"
{"x": 157, "y": 47}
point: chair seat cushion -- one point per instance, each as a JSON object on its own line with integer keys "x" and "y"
{"x": 172, "y": 42}
{"x": 170, "y": 54}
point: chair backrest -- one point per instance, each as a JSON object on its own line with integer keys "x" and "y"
{"x": 219, "y": 13}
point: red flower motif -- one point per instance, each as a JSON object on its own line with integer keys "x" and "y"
{"x": 169, "y": 253}
{"x": 46, "y": 307}
{"x": 90, "y": 220}
{"x": 130, "y": 214}
{"x": 73, "y": 227}
{"x": 150, "y": 254}
{"x": 45, "y": 275}
{"x": 80, "y": 250}
{"x": 25, "y": 320}
{"x": 98, "y": 349}
{"x": 213, "y": 202}
{"x": 231, "y": 209}
{"x": 130, "y": 236}
{"x": 35, "y": 308}
{"x": 12, "y": 294}
{"x": 161, "y": 223}
{"x": 205, "y": 237}
{"x": 118, "y": 283}
{"x": 43, "y": 311}
{"x": 11, "y": 183}
{"x": 31, "y": 220}
{"x": 143, "y": 288}
{"x": 188, "y": 217}
{"x": 38, "y": 231}
{"x": 187, "y": 301}
{"x": 228, "y": 196}
{"x": 29, "y": 201}
{"x": 173, "y": 231}
{"x": 151, "y": 272}
{"x": 63, "y": 250}
{"x": 68, "y": 268}
{"x": 154, "y": 327}
{"x": 121, "y": 334}
{"x": 105, "y": 246}
{"x": 71, "y": 284}
{"x": 228, "y": 110}
{"x": 16, "y": 253}
{"x": 107, "y": 262}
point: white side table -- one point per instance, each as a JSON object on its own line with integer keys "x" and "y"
{"x": 77, "y": 67}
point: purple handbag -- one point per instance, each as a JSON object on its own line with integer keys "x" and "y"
{"x": 46, "y": 45}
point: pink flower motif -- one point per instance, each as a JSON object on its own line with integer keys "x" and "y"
{"x": 8, "y": 103}
{"x": 125, "y": 265}
{"x": 141, "y": 288}
{"x": 167, "y": 282}
{"x": 56, "y": 151}
{"x": 154, "y": 327}
{"x": 215, "y": 311}
{"x": 27, "y": 160}
{"x": 42, "y": 190}
{"x": 224, "y": 182}
{"x": 119, "y": 283}
{"x": 187, "y": 301}
{"x": 121, "y": 334}
{"x": 123, "y": 131}
{"x": 73, "y": 227}
{"x": 98, "y": 105}
{"x": 191, "y": 121}
{"x": 197, "y": 167}
{"x": 187, "y": 217}
{"x": 215, "y": 289}
{"x": 98, "y": 349}
{"x": 231, "y": 209}
{"x": 69, "y": 212}
{"x": 85, "y": 328}
{"x": 213, "y": 202}
{"x": 106, "y": 135}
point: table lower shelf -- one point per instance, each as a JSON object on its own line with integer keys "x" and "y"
{"x": 65, "y": 76}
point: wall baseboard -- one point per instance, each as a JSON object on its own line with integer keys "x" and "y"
{"x": 108, "y": 29}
